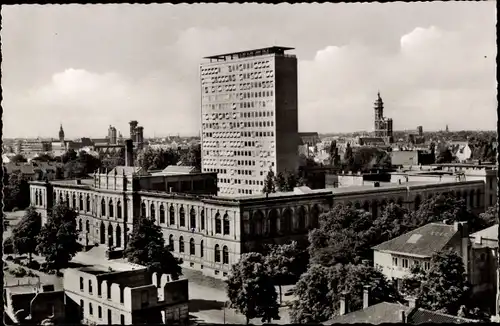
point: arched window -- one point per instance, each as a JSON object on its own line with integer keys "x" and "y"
{"x": 81, "y": 203}
{"x": 218, "y": 224}
{"x": 118, "y": 236}
{"x": 172, "y": 215}
{"x": 73, "y": 201}
{"x": 36, "y": 197}
{"x": 181, "y": 244}
{"x": 80, "y": 225}
{"x": 103, "y": 207}
{"x": 67, "y": 199}
{"x": 87, "y": 226}
{"x": 88, "y": 203}
{"x": 226, "y": 224}
{"x": 302, "y": 218}
{"x": 110, "y": 235}
{"x": 171, "y": 242}
{"x": 162, "y": 214}
{"x": 60, "y": 198}
{"x": 153, "y": 213}
{"x": 182, "y": 217}
{"x": 225, "y": 255}
{"x": 315, "y": 216}
{"x": 287, "y": 221}
{"x": 202, "y": 219}
{"x": 191, "y": 247}
{"x": 257, "y": 223}
{"x": 273, "y": 222}
{"x": 417, "y": 202}
{"x": 41, "y": 198}
{"x": 110, "y": 208}
{"x": 192, "y": 218}
{"x": 217, "y": 253}
{"x": 119, "y": 209}
{"x": 202, "y": 249}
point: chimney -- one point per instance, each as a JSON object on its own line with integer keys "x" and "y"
{"x": 403, "y": 317}
{"x": 366, "y": 296}
{"x": 344, "y": 301}
{"x": 129, "y": 153}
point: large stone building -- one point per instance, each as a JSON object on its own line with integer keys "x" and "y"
{"x": 210, "y": 232}
{"x": 249, "y": 117}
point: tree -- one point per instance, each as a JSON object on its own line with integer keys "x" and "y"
{"x": 319, "y": 290}
{"x": 192, "y": 157}
{"x": 443, "y": 207}
{"x": 16, "y": 191}
{"x": 333, "y": 152}
{"x": 269, "y": 183}
{"x": 113, "y": 160}
{"x": 69, "y": 155}
{"x": 251, "y": 290}
{"x": 280, "y": 182}
{"x": 444, "y": 286}
{"x": 313, "y": 303}
{"x": 18, "y": 158}
{"x": 444, "y": 156}
{"x": 25, "y": 233}
{"x": 157, "y": 159}
{"x": 281, "y": 261}
{"x": 490, "y": 217}
{"x": 348, "y": 157}
{"x": 391, "y": 223}
{"x": 345, "y": 234}
{"x": 58, "y": 239}
{"x": 146, "y": 246}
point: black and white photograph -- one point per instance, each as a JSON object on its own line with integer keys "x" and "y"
{"x": 253, "y": 163}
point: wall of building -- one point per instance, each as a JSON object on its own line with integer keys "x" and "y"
{"x": 286, "y": 117}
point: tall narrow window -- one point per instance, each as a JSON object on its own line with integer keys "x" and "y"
{"x": 192, "y": 247}
{"x": 218, "y": 222}
{"x": 81, "y": 207}
{"x": 202, "y": 219}
{"x": 181, "y": 244}
{"x": 88, "y": 203}
{"x": 119, "y": 209}
{"x": 110, "y": 209}
{"x": 143, "y": 210}
{"x": 226, "y": 224}
{"x": 182, "y": 217}
{"x": 73, "y": 202}
{"x": 192, "y": 215}
{"x": 217, "y": 253}
{"x": 172, "y": 215}
{"x": 81, "y": 283}
{"x": 202, "y": 250}
{"x": 225, "y": 255}
{"x": 162, "y": 214}
{"x": 153, "y": 213}
{"x": 103, "y": 207}
{"x": 90, "y": 286}
{"x": 171, "y": 242}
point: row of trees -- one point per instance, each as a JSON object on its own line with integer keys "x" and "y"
{"x": 281, "y": 182}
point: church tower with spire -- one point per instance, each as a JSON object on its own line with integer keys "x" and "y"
{"x": 61, "y": 134}
{"x": 383, "y": 125}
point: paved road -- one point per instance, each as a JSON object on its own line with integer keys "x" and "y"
{"x": 206, "y": 306}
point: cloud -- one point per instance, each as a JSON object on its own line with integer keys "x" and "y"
{"x": 436, "y": 77}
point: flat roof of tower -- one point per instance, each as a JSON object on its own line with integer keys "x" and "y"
{"x": 251, "y": 53}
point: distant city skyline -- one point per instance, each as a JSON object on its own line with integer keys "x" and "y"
{"x": 433, "y": 63}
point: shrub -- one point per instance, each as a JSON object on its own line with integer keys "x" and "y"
{"x": 33, "y": 265}
{"x": 8, "y": 246}
{"x": 19, "y": 272}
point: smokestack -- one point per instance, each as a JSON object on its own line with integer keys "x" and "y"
{"x": 129, "y": 153}
{"x": 344, "y": 301}
{"x": 366, "y": 296}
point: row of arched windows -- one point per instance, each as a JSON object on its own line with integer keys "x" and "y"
{"x": 192, "y": 249}
{"x": 83, "y": 206}
{"x": 111, "y": 208}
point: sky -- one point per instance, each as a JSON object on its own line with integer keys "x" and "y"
{"x": 91, "y": 66}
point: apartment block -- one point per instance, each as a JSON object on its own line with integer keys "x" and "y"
{"x": 249, "y": 117}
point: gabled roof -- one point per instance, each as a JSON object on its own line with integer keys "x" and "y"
{"x": 383, "y": 312}
{"x": 424, "y": 241}
{"x": 386, "y": 312}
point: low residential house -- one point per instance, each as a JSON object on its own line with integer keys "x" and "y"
{"x": 394, "y": 258}
{"x": 386, "y": 312}
{"x": 461, "y": 150}
{"x": 133, "y": 296}
{"x": 34, "y": 304}
{"x": 483, "y": 267}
